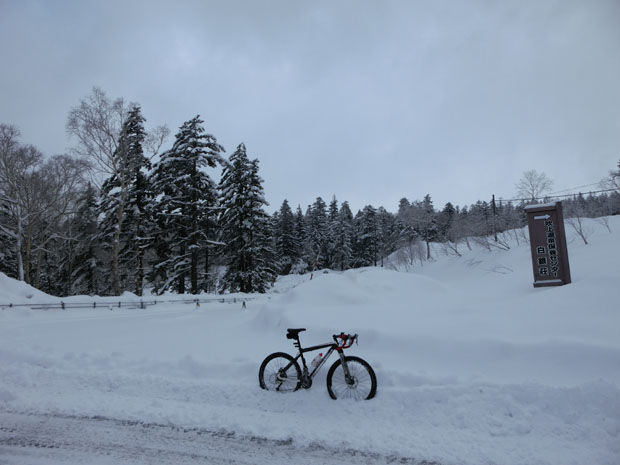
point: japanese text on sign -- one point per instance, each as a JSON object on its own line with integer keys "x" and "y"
{"x": 548, "y": 264}
{"x": 548, "y": 244}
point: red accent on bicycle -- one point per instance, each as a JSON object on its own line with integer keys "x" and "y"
{"x": 344, "y": 341}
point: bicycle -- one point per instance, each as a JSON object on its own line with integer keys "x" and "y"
{"x": 348, "y": 377}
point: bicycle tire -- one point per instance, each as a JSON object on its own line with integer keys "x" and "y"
{"x": 363, "y": 385}
{"x": 270, "y": 377}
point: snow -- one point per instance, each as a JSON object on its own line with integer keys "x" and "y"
{"x": 541, "y": 206}
{"x": 474, "y": 364}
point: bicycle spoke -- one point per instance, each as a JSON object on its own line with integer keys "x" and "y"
{"x": 359, "y": 386}
{"x": 277, "y": 379}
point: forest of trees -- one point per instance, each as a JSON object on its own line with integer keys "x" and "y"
{"x": 121, "y": 215}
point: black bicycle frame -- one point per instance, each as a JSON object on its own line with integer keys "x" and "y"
{"x": 332, "y": 348}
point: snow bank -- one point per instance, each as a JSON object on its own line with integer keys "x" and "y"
{"x": 18, "y": 292}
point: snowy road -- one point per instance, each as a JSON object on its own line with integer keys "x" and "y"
{"x": 27, "y": 439}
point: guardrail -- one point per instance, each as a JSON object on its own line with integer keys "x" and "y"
{"x": 124, "y": 304}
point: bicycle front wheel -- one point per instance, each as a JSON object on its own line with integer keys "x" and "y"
{"x": 361, "y": 384}
{"x": 279, "y": 372}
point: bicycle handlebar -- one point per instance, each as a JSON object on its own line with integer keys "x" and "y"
{"x": 344, "y": 341}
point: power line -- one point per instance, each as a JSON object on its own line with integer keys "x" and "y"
{"x": 556, "y": 196}
{"x": 578, "y": 187}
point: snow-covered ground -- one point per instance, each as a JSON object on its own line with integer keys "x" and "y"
{"x": 474, "y": 365}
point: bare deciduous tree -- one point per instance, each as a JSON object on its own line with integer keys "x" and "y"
{"x": 533, "y": 185}
{"x": 407, "y": 255}
{"x": 17, "y": 165}
{"x": 604, "y": 220}
{"x": 58, "y": 183}
{"x": 613, "y": 180}
{"x": 96, "y": 124}
{"x": 154, "y": 140}
{"x": 576, "y": 212}
{"x": 36, "y": 195}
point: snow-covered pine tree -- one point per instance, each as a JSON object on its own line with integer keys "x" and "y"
{"x": 286, "y": 241}
{"x": 366, "y": 245}
{"x": 302, "y": 237}
{"x": 425, "y": 222}
{"x": 408, "y": 233}
{"x": 444, "y": 221}
{"x": 123, "y": 206}
{"x": 388, "y": 233}
{"x": 342, "y": 233}
{"x": 185, "y": 208}
{"x": 317, "y": 230}
{"x": 139, "y": 227}
{"x": 85, "y": 275}
{"x": 274, "y": 220}
{"x": 480, "y": 218}
{"x": 244, "y": 227}
{"x": 331, "y": 234}
{"x": 210, "y": 246}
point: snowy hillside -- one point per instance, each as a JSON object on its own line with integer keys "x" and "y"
{"x": 474, "y": 365}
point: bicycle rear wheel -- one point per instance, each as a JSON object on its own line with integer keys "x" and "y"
{"x": 361, "y": 385}
{"x": 279, "y": 372}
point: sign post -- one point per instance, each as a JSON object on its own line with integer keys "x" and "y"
{"x": 548, "y": 244}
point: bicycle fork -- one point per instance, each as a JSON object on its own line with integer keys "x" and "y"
{"x": 350, "y": 380}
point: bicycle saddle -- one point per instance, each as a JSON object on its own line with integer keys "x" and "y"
{"x": 294, "y": 333}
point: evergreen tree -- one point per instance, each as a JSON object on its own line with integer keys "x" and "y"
{"x": 123, "y": 205}
{"x": 139, "y": 227}
{"x": 445, "y": 220}
{"x": 286, "y": 242}
{"x": 244, "y": 227}
{"x": 480, "y": 216}
{"x": 366, "y": 251}
{"x": 388, "y": 233}
{"x": 426, "y": 222}
{"x": 317, "y": 232}
{"x": 342, "y": 238}
{"x": 332, "y": 234}
{"x": 185, "y": 209}
{"x": 406, "y": 218}
{"x": 358, "y": 258}
{"x": 85, "y": 263}
{"x": 302, "y": 237}
{"x": 404, "y": 209}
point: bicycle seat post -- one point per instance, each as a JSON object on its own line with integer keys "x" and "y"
{"x": 293, "y": 333}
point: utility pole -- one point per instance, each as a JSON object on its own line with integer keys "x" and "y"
{"x": 494, "y": 215}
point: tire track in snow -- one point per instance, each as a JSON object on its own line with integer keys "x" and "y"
{"x": 33, "y": 439}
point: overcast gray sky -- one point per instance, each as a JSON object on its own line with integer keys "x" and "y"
{"x": 370, "y": 101}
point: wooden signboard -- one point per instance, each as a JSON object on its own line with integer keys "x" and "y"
{"x": 548, "y": 244}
